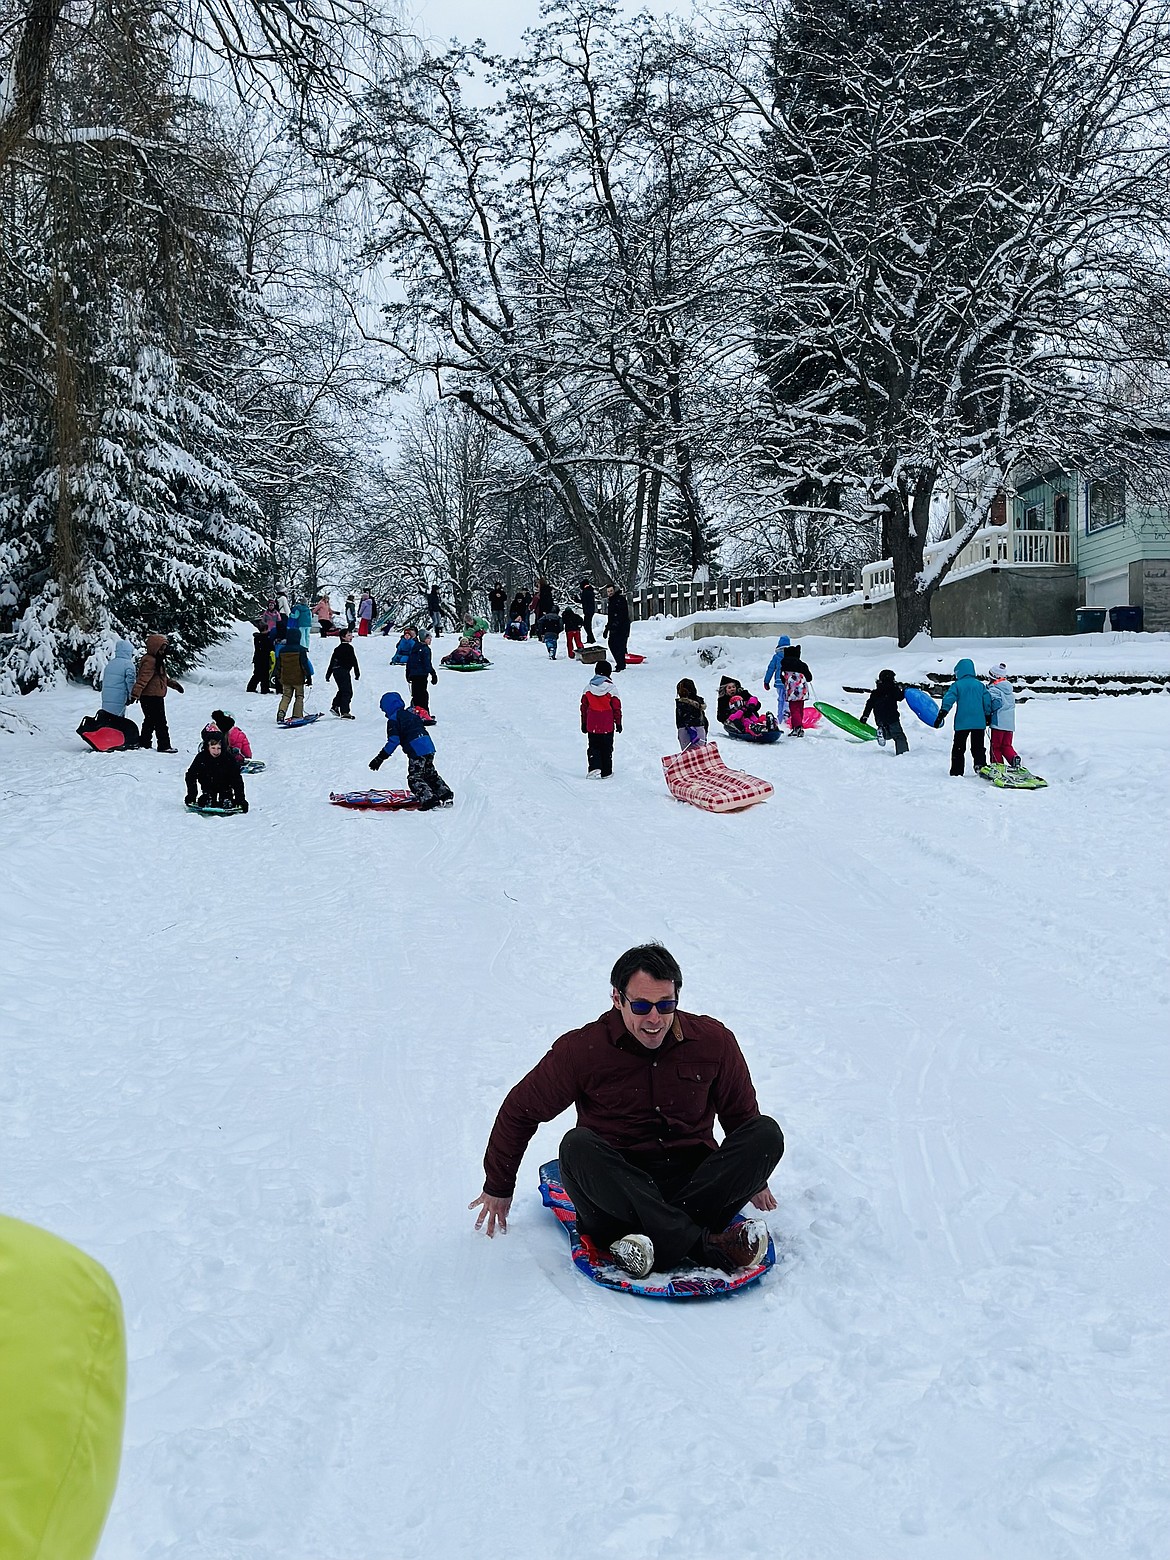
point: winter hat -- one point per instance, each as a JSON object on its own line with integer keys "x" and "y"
{"x": 602, "y": 669}
{"x": 224, "y": 719}
{"x": 997, "y": 672}
{"x": 885, "y": 675}
{"x": 783, "y": 642}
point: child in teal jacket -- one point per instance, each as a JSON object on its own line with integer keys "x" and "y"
{"x": 972, "y": 705}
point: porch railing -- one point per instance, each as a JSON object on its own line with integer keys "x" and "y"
{"x": 992, "y": 545}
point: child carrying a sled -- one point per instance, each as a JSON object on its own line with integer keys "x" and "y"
{"x": 883, "y": 704}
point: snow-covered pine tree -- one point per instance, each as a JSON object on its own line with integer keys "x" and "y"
{"x": 119, "y": 512}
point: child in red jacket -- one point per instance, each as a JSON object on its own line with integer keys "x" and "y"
{"x": 601, "y": 716}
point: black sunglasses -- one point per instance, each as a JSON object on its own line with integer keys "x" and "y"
{"x": 640, "y": 1006}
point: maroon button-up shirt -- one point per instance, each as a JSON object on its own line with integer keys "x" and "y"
{"x": 634, "y": 1098}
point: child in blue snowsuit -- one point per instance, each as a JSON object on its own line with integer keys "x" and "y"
{"x": 403, "y": 648}
{"x": 403, "y": 727}
{"x": 973, "y": 708}
{"x": 772, "y": 675}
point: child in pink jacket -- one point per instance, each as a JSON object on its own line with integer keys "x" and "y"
{"x": 236, "y": 740}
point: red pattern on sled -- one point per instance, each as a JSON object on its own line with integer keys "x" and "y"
{"x": 700, "y": 776}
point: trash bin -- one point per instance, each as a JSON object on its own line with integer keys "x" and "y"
{"x": 1090, "y": 620}
{"x": 1125, "y": 620}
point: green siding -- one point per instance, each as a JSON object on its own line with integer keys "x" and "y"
{"x": 1145, "y": 532}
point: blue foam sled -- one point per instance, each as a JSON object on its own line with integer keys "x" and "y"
{"x": 685, "y": 1283}
{"x": 302, "y": 720}
{"x": 923, "y": 705}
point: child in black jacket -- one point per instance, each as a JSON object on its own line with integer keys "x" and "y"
{"x": 261, "y": 662}
{"x": 214, "y": 778}
{"x": 690, "y": 715}
{"x": 343, "y": 667}
{"x": 883, "y": 702}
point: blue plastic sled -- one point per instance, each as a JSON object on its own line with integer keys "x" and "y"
{"x": 303, "y": 720}
{"x": 772, "y": 735}
{"x": 687, "y": 1283}
{"x": 923, "y": 705}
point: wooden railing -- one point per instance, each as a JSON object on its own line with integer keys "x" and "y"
{"x": 680, "y": 598}
{"x": 992, "y": 545}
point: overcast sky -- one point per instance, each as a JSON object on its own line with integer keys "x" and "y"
{"x": 498, "y": 22}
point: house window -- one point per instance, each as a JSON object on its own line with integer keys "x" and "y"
{"x": 1034, "y": 517}
{"x": 1060, "y": 512}
{"x": 1106, "y": 505}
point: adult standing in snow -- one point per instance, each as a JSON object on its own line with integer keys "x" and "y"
{"x": 498, "y": 602}
{"x": 588, "y": 607}
{"x": 150, "y": 689}
{"x": 351, "y": 613}
{"x": 617, "y": 625}
{"x": 435, "y": 609}
{"x": 365, "y": 614}
{"x": 642, "y": 1166}
{"x": 282, "y": 606}
{"x": 544, "y": 601}
{"x": 118, "y": 681}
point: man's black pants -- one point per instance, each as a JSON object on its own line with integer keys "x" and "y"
{"x": 674, "y": 1197}
{"x": 617, "y": 648}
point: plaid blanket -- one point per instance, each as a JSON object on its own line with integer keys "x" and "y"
{"x": 700, "y": 776}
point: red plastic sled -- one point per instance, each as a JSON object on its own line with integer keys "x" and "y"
{"x": 634, "y": 660}
{"x": 104, "y": 739}
{"x": 374, "y": 801}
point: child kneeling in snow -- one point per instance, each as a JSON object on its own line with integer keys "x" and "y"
{"x": 601, "y": 716}
{"x": 214, "y": 778}
{"x": 1003, "y": 717}
{"x": 405, "y": 729}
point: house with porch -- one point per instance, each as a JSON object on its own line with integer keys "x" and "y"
{"x": 1118, "y": 544}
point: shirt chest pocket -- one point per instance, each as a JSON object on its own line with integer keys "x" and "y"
{"x": 692, "y": 1084}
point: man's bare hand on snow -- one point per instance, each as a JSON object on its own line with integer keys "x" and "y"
{"x": 495, "y": 1210}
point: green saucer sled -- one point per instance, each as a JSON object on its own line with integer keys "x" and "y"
{"x": 847, "y": 722}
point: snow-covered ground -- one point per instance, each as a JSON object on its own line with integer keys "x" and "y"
{"x": 251, "y": 1064}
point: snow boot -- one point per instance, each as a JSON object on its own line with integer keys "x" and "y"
{"x": 635, "y": 1253}
{"x": 741, "y": 1246}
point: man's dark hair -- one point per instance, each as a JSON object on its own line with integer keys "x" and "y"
{"x": 652, "y": 959}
